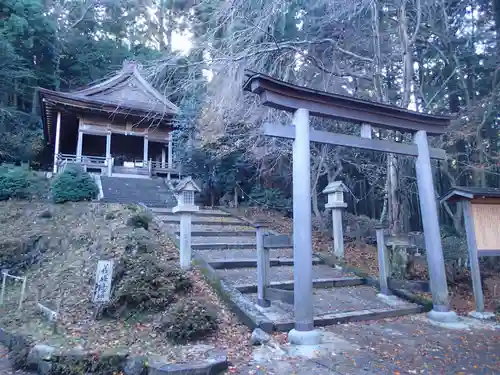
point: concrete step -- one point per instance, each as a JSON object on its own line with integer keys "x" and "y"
{"x": 241, "y": 233}
{"x": 201, "y": 213}
{"x": 249, "y": 262}
{"x": 246, "y": 276}
{"x": 324, "y": 283}
{"x": 339, "y": 305}
{"x": 216, "y": 255}
{"x": 202, "y": 220}
{"x": 224, "y": 240}
{"x": 219, "y": 246}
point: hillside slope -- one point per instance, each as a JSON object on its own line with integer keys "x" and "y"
{"x": 57, "y": 248}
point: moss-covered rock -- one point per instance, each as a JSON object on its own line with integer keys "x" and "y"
{"x": 189, "y": 320}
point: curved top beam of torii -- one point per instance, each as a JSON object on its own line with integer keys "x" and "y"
{"x": 289, "y": 97}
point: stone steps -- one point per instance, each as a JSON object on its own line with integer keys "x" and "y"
{"x": 215, "y": 255}
{"x": 320, "y": 283}
{"x": 241, "y": 233}
{"x": 227, "y": 246}
{"x": 203, "y": 220}
{"x": 151, "y": 192}
{"x": 223, "y": 245}
{"x": 252, "y": 263}
{"x": 237, "y": 276}
{"x": 163, "y": 211}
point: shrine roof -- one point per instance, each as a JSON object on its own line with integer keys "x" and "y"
{"x": 469, "y": 192}
{"x": 126, "y": 93}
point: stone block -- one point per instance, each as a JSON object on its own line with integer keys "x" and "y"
{"x": 39, "y": 353}
{"x": 259, "y": 337}
{"x": 135, "y": 366}
{"x": 5, "y": 337}
{"x": 212, "y": 366}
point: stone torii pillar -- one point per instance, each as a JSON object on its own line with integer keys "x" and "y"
{"x": 430, "y": 221}
{"x": 304, "y": 332}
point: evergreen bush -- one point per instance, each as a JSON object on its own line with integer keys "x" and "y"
{"x": 17, "y": 183}
{"x": 74, "y": 185}
{"x": 140, "y": 220}
{"x": 140, "y": 284}
{"x": 188, "y": 320}
{"x": 269, "y": 197}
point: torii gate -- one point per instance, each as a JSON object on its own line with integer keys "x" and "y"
{"x": 304, "y": 102}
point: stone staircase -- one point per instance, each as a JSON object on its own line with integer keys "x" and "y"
{"x": 153, "y": 192}
{"x": 227, "y": 246}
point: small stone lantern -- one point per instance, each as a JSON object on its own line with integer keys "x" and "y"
{"x": 335, "y": 191}
{"x": 184, "y": 192}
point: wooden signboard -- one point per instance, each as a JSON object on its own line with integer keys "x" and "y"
{"x": 486, "y": 222}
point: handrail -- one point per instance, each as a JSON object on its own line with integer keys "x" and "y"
{"x": 84, "y": 159}
{"x": 161, "y": 165}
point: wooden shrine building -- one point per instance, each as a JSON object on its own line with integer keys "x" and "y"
{"x": 120, "y": 125}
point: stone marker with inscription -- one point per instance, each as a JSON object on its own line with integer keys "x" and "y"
{"x": 102, "y": 287}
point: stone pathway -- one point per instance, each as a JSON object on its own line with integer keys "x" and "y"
{"x": 227, "y": 243}
{"x": 395, "y": 346}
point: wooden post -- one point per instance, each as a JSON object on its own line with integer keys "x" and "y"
{"x": 23, "y": 290}
{"x": 145, "y": 151}
{"x": 57, "y": 140}
{"x": 108, "y": 145}
{"x": 4, "y": 281}
{"x": 262, "y": 267}
{"x": 163, "y": 157}
{"x": 79, "y": 146}
{"x": 473, "y": 257}
{"x": 383, "y": 261}
{"x": 170, "y": 156}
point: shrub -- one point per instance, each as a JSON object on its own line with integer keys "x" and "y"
{"x": 140, "y": 242}
{"x": 45, "y": 214}
{"x": 17, "y": 183}
{"x": 142, "y": 284}
{"x": 140, "y": 220}
{"x": 189, "y": 320}
{"x": 269, "y": 197}
{"x": 74, "y": 185}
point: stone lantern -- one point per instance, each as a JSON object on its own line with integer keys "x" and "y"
{"x": 184, "y": 192}
{"x": 335, "y": 191}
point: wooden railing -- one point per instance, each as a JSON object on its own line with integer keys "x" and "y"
{"x": 87, "y": 160}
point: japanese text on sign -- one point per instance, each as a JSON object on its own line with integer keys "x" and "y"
{"x": 102, "y": 288}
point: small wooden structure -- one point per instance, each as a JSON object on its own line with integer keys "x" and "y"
{"x": 121, "y": 121}
{"x": 481, "y": 208}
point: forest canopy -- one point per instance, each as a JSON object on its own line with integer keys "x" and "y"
{"x": 430, "y": 56}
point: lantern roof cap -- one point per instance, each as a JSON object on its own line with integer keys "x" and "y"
{"x": 335, "y": 186}
{"x": 187, "y": 184}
